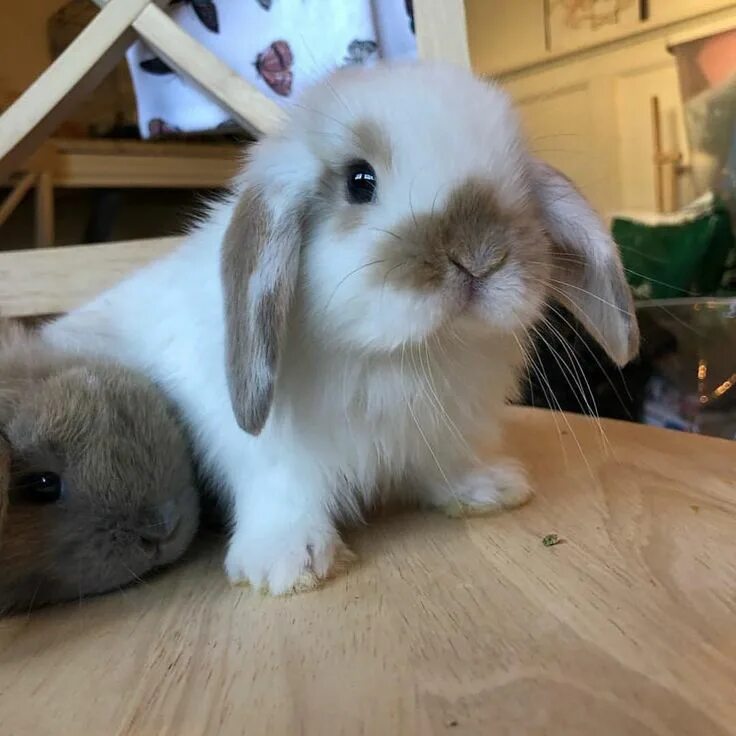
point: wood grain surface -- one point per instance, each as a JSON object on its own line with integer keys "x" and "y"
{"x": 627, "y": 627}
{"x": 54, "y": 280}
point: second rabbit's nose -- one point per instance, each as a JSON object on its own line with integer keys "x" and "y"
{"x": 161, "y": 524}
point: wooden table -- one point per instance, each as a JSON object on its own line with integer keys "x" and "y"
{"x": 628, "y": 627}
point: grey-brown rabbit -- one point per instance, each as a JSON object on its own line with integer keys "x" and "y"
{"x": 101, "y": 488}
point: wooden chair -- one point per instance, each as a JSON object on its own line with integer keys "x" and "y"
{"x": 478, "y": 626}
{"x": 26, "y": 125}
{"x": 35, "y": 175}
{"x": 440, "y": 28}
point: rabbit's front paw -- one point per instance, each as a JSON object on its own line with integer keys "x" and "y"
{"x": 288, "y": 560}
{"x": 503, "y": 485}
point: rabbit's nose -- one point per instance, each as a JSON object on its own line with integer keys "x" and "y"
{"x": 473, "y": 271}
{"x": 161, "y": 524}
{"x": 477, "y": 265}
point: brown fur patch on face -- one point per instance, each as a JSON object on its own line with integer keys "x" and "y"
{"x": 472, "y": 230}
{"x": 373, "y": 143}
{"x": 370, "y": 143}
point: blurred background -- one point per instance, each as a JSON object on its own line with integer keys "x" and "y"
{"x": 635, "y": 100}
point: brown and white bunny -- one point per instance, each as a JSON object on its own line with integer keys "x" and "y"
{"x": 353, "y": 317}
{"x": 100, "y": 488}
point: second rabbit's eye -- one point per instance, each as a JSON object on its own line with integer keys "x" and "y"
{"x": 42, "y": 487}
{"x": 361, "y": 182}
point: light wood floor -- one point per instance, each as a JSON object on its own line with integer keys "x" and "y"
{"x": 627, "y": 628}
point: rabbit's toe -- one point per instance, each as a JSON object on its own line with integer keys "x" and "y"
{"x": 504, "y": 485}
{"x": 287, "y": 563}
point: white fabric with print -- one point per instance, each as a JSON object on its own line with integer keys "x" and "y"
{"x": 279, "y": 46}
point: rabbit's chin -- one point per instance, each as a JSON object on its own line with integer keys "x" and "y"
{"x": 386, "y": 323}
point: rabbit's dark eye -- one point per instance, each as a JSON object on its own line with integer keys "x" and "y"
{"x": 361, "y": 182}
{"x": 43, "y": 487}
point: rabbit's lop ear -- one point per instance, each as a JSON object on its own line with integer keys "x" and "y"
{"x": 260, "y": 263}
{"x": 587, "y": 274}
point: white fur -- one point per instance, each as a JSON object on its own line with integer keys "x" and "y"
{"x": 379, "y": 389}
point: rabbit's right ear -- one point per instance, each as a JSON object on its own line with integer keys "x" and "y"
{"x": 260, "y": 263}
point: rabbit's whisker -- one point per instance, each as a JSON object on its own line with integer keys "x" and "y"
{"x": 347, "y": 276}
{"x": 422, "y": 434}
{"x": 564, "y": 415}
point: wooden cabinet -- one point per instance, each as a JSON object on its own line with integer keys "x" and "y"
{"x": 671, "y": 11}
{"x": 573, "y": 25}
{"x": 503, "y": 35}
{"x": 590, "y": 112}
{"x": 576, "y": 25}
{"x": 561, "y": 129}
{"x": 593, "y": 120}
{"x": 635, "y": 146}
{"x": 506, "y": 36}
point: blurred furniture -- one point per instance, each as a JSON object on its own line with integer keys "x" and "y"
{"x": 87, "y": 163}
{"x": 585, "y": 98}
{"x": 98, "y": 49}
{"x": 113, "y": 104}
{"x": 25, "y": 125}
{"x": 683, "y": 379}
{"x": 692, "y": 386}
{"x": 87, "y": 60}
{"x": 34, "y": 175}
{"x": 668, "y": 166}
{"x": 706, "y": 67}
{"x": 444, "y": 626}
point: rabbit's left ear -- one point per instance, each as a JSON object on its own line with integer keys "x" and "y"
{"x": 259, "y": 268}
{"x": 587, "y": 276}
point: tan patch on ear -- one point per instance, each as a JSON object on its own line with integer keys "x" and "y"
{"x": 589, "y": 279}
{"x": 249, "y": 226}
{"x": 245, "y": 239}
{"x": 471, "y": 229}
{"x": 258, "y": 289}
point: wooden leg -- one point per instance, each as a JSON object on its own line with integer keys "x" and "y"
{"x": 105, "y": 207}
{"x": 16, "y": 196}
{"x": 657, "y": 146}
{"x": 45, "y": 211}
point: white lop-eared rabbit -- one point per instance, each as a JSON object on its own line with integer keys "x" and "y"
{"x": 354, "y": 315}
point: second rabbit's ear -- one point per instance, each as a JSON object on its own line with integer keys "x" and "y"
{"x": 259, "y": 268}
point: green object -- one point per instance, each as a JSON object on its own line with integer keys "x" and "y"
{"x": 673, "y": 256}
{"x": 550, "y": 540}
